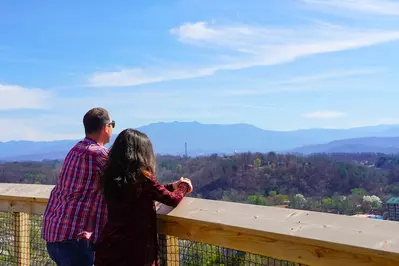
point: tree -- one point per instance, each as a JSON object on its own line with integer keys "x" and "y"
{"x": 351, "y": 205}
{"x": 257, "y": 163}
{"x": 374, "y": 201}
{"x": 327, "y": 203}
{"x": 358, "y": 191}
{"x": 272, "y": 193}
{"x": 259, "y": 200}
{"x": 298, "y": 201}
{"x": 281, "y": 199}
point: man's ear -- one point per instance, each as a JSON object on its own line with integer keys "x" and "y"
{"x": 105, "y": 129}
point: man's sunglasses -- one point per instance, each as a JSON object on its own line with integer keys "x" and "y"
{"x": 112, "y": 123}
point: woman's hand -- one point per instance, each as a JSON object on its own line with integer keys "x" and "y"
{"x": 188, "y": 182}
{"x": 183, "y": 180}
{"x": 177, "y": 183}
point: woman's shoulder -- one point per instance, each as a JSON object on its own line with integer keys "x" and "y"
{"x": 148, "y": 175}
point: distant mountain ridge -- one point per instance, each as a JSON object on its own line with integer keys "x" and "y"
{"x": 169, "y": 138}
{"x": 357, "y": 145}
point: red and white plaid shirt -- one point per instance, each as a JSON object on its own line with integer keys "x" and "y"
{"x": 76, "y": 208}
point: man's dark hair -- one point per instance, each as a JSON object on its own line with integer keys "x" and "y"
{"x": 95, "y": 119}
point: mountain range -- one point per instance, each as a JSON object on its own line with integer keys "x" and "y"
{"x": 202, "y": 139}
{"x": 388, "y": 145}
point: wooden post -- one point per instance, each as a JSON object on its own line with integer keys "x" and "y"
{"x": 169, "y": 250}
{"x": 173, "y": 250}
{"x": 22, "y": 238}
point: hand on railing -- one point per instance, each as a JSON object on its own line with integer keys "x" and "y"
{"x": 183, "y": 180}
{"x": 177, "y": 183}
{"x": 188, "y": 182}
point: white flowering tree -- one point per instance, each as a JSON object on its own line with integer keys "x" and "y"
{"x": 374, "y": 201}
{"x": 299, "y": 201}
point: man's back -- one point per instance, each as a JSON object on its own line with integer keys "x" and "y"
{"x": 76, "y": 205}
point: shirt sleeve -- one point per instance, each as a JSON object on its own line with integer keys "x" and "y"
{"x": 169, "y": 186}
{"x": 161, "y": 194}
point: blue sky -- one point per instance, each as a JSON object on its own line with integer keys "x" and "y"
{"x": 276, "y": 64}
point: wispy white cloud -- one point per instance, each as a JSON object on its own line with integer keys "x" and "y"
{"x": 279, "y": 45}
{"x": 268, "y": 89}
{"x": 247, "y": 92}
{"x": 18, "y": 97}
{"x": 247, "y": 46}
{"x": 330, "y": 75}
{"x": 293, "y": 84}
{"x": 324, "y": 114}
{"x": 375, "y": 7}
{"x": 138, "y": 76}
{"x": 30, "y": 129}
{"x": 387, "y": 121}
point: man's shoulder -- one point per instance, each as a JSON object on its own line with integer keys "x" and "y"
{"x": 98, "y": 150}
{"x": 84, "y": 147}
{"x": 90, "y": 146}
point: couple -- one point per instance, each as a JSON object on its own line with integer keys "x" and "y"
{"x": 104, "y": 200}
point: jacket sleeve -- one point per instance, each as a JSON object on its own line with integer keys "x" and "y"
{"x": 162, "y": 194}
{"x": 169, "y": 187}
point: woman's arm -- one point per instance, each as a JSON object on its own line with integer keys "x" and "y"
{"x": 162, "y": 194}
{"x": 169, "y": 186}
{"x": 172, "y": 186}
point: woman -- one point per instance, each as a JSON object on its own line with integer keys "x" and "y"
{"x": 130, "y": 189}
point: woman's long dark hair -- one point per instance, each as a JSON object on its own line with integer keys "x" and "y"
{"x": 130, "y": 154}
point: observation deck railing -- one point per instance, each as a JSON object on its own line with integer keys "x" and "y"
{"x": 206, "y": 232}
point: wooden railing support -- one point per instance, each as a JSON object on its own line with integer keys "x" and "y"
{"x": 309, "y": 238}
{"x": 169, "y": 250}
{"x": 22, "y": 238}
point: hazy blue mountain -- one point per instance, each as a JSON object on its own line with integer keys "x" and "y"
{"x": 169, "y": 138}
{"x": 368, "y": 144}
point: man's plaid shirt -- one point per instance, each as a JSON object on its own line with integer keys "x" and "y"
{"x": 76, "y": 208}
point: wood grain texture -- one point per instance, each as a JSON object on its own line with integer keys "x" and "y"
{"x": 301, "y": 236}
{"x": 25, "y": 198}
{"x": 22, "y": 238}
{"x": 28, "y": 192}
{"x": 305, "y": 237}
{"x": 169, "y": 250}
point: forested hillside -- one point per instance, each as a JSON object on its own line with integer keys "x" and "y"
{"x": 316, "y": 182}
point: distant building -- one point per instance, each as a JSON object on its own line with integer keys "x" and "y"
{"x": 393, "y": 209}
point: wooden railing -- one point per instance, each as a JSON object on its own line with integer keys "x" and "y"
{"x": 303, "y": 237}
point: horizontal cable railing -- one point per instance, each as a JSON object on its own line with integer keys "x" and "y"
{"x": 205, "y": 232}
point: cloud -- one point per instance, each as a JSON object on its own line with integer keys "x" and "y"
{"x": 387, "y": 121}
{"x": 18, "y": 97}
{"x": 329, "y": 75}
{"x": 138, "y": 76}
{"x": 247, "y": 46}
{"x": 247, "y": 92}
{"x": 268, "y": 90}
{"x": 286, "y": 85}
{"x": 279, "y": 45}
{"x": 30, "y": 129}
{"x": 323, "y": 114}
{"x": 376, "y": 7}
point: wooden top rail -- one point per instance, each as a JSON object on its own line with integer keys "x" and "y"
{"x": 305, "y": 237}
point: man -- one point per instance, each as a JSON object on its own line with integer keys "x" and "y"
{"x": 76, "y": 213}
